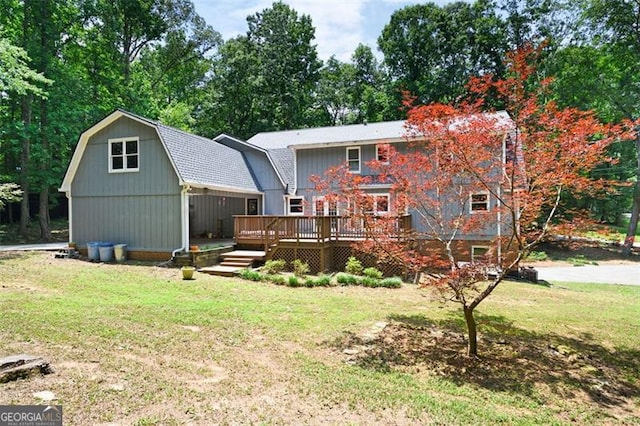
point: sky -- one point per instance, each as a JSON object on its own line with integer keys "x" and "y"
{"x": 340, "y": 24}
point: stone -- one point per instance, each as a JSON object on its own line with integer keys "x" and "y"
{"x": 45, "y": 396}
{"x": 21, "y": 366}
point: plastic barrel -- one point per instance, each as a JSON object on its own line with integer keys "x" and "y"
{"x": 106, "y": 252}
{"x": 120, "y": 252}
{"x": 93, "y": 251}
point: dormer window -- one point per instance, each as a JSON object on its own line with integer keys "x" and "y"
{"x": 124, "y": 155}
{"x": 353, "y": 159}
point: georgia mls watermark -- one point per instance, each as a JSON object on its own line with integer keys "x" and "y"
{"x": 30, "y": 415}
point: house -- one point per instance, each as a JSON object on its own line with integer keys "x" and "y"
{"x": 136, "y": 181}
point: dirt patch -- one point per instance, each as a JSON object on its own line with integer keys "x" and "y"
{"x": 573, "y": 370}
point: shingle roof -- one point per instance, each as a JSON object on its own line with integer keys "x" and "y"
{"x": 206, "y": 162}
{"x": 283, "y": 160}
{"x": 327, "y": 135}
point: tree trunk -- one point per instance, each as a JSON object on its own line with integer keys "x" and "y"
{"x": 43, "y": 215}
{"x": 24, "y": 165}
{"x": 472, "y": 348}
{"x": 635, "y": 211}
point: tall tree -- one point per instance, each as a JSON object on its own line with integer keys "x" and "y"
{"x": 288, "y": 65}
{"x": 432, "y": 51}
{"x": 611, "y": 53}
{"x": 231, "y": 97}
{"x": 335, "y": 92}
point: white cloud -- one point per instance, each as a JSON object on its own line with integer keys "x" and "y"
{"x": 340, "y": 24}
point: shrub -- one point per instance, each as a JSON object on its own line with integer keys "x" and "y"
{"x": 393, "y": 282}
{"x": 293, "y": 281}
{"x": 537, "y": 256}
{"x": 309, "y": 282}
{"x": 274, "y": 266}
{"x": 276, "y": 279}
{"x": 323, "y": 281}
{"x": 353, "y": 266}
{"x": 250, "y": 274}
{"x": 369, "y": 282}
{"x": 300, "y": 268}
{"x": 372, "y": 273}
{"x": 346, "y": 279}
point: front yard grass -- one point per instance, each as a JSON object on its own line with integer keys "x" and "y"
{"x": 135, "y": 344}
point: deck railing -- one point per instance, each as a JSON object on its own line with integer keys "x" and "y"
{"x": 269, "y": 230}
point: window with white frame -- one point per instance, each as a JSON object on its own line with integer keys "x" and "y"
{"x": 353, "y": 159}
{"x": 381, "y": 203}
{"x": 478, "y": 253}
{"x": 479, "y": 202}
{"x": 383, "y": 153}
{"x": 295, "y": 206}
{"x": 377, "y": 204}
{"x": 324, "y": 207}
{"x": 124, "y": 155}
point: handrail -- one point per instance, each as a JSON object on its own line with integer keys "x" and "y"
{"x": 270, "y": 230}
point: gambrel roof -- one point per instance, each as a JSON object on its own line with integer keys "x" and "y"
{"x": 197, "y": 161}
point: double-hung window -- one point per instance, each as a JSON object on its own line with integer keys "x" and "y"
{"x": 124, "y": 155}
{"x": 382, "y": 153}
{"x": 353, "y": 159}
{"x": 478, "y": 253}
{"x": 479, "y": 202}
{"x": 295, "y": 206}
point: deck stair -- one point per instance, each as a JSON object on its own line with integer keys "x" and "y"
{"x": 234, "y": 261}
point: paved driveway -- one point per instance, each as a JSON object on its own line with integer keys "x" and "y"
{"x": 604, "y": 273}
{"x": 31, "y": 247}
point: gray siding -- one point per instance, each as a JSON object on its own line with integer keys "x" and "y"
{"x": 214, "y": 213}
{"x": 274, "y": 202}
{"x": 142, "y": 222}
{"x": 268, "y": 182}
{"x": 316, "y": 161}
{"x": 156, "y": 175}
{"x": 140, "y": 209}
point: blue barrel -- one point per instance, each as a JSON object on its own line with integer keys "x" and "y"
{"x": 93, "y": 251}
{"x": 106, "y": 251}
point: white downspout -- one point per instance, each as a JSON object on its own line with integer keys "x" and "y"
{"x": 184, "y": 220}
{"x": 69, "y": 203}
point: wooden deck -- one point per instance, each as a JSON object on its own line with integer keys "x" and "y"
{"x": 266, "y": 231}
{"x": 324, "y": 242}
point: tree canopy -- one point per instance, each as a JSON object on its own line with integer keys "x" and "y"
{"x": 66, "y": 64}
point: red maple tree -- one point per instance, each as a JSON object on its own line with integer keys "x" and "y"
{"x": 473, "y": 174}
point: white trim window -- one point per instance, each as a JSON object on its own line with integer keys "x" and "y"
{"x": 323, "y": 207}
{"x": 353, "y": 159}
{"x": 381, "y": 203}
{"x": 295, "y": 206}
{"x": 478, "y": 253}
{"x": 479, "y": 202}
{"x": 124, "y": 155}
{"x": 383, "y": 153}
{"x": 377, "y": 204}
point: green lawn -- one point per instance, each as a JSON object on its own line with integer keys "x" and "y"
{"x": 135, "y": 344}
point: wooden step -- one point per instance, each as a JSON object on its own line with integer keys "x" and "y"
{"x": 236, "y": 263}
{"x": 221, "y": 271}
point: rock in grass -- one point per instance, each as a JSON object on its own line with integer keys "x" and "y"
{"x": 21, "y": 366}
{"x": 45, "y": 396}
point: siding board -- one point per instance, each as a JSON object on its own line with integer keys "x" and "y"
{"x": 140, "y": 209}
